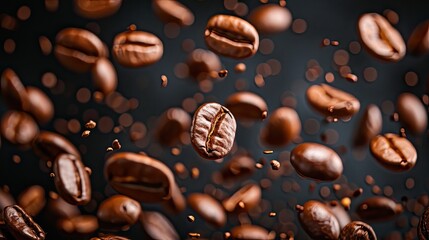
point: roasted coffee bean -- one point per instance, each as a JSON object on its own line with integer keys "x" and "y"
{"x": 104, "y": 76}
{"x": 238, "y": 168}
{"x": 316, "y": 161}
{"x": 172, "y": 126}
{"x": 203, "y": 64}
{"x": 250, "y": 232}
{"x": 247, "y": 106}
{"x": 109, "y": 237}
{"x": 78, "y": 49}
{"x": 213, "y": 131}
{"x": 173, "y": 11}
{"x": 18, "y": 128}
{"x": 231, "y": 36}
{"x": 32, "y": 200}
{"x": 208, "y": 208}
{"x": 21, "y": 225}
{"x": 58, "y": 208}
{"x": 177, "y": 202}
{"x": 157, "y": 226}
{"x": 370, "y": 125}
{"x": 13, "y": 91}
{"x": 394, "y": 152}
{"x": 423, "y": 227}
{"x": 137, "y": 48}
{"x": 96, "y": 9}
{"x": 380, "y": 38}
{"x": 41, "y": 106}
{"x": 270, "y": 18}
{"x": 78, "y": 226}
{"x": 318, "y": 221}
{"x": 118, "y": 211}
{"x": 418, "y": 43}
{"x": 412, "y": 113}
{"x": 378, "y": 208}
{"x": 71, "y": 179}
{"x": 332, "y": 102}
{"x": 140, "y": 177}
{"x": 357, "y": 230}
{"x": 246, "y": 198}
{"x": 6, "y": 199}
{"x": 340, "y": 213}
{"x": 48, "y": 145}
{"x": 283, "y": 127}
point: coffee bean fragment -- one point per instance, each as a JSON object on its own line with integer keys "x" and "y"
{"x": 357, "y": 230}
{"x": 116, "y": 144}
{"x": 164, "y": 81}
{"x": 275, "y": 165}
{"x": 86, "y": 133}
{"x": 223, "y": 73}
{"x": 191, "y": 218}
{"x": 118, "y": 212}
{"x": 378, "y": 208}
{"x": 238, "y": 168}
{"x": 90, "y": 124}
{"x": 21, "y": 225}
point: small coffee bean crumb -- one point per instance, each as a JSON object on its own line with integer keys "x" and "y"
{"x": 116, "y": 144}
{"x": 346, "y": 203}
{"x": 223, "y": 73}
{"x": 51, "y": 174}
{"x": 88, "y": 170}
{"x": 326, "y": 42}
{"x": 395, "y": 117}
{"x": 49, "y": 164}
{"x": 132, "y": 27}
{"x": 282, "y": 3}
{"x": 358, "y": 192}
{"x": 240, "y": 68}
{"x": 226, "y": 235}
{"x": 194, "y": 235}
{"x": 109, "y": 149}
{"x": 259, "y": 165}
{"x": 16, "y": 159}
{"x": 175, "y": 151}
{"x": 191, "y": 218}
{"x": 272, "y": 214}
{"x": 336, "y": 187}
{"x": 335, "y": 43}
{"x": 90, "y": 124}
{"x": 86, "y": 133}
{"x": 299, "y": 208}
{"x": 264, "y": 114}
{"x": 195, "y": 173}
{"x": 402, "y": 133}
{"x": 164, "y": 81}
{"x": 241, "y": 204}
{"x": 351, "y": 77}
{"x": 275, "y": 165}
{"x": 268, "y": 151}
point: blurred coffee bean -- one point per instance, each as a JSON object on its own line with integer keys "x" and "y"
{"x": 118, "y": 211}
{"x": 340, "y": 213}
{"x": 238, "y": 168}
{"x": 96, "y": 9}
{"x": 369, "y": 126}
{"x": 247, "y": 106}
{"x": 58, "y": 208}
{"x": 270, "y": 18}
{"x": 157, "y": 226}
{"x": 378, "y": 208}
{"x": 283, "y": 127}
{"x": 250, "y": 232}
{"x": 418, "y": 43}
{"x": 173, "y": 11}
{"x": 32, "y": 200}
{"x": 412, "y": 113}
{"x": 172, "y": 125}
{"x": 203, "y": 64}
{"x": 231, "y": 36}
{"x": 423, "y": 228}
{"x": 104, "y": 76}
{"x": 109, "y": 237}
{"x": 213, "y": 131}
{"x": 246, "y": 198}
{"x": 71, "y": 179}
{"x": 380, "y": 38}
{"x": 21, "y": 225}
{"x": 393, "y": 152}
{"x": 41, "y": 106}
{"x": 13, "y": 91}
{"x": 48, "y": 145}
{"x": 18, "y": 128}
{"x": 78, "y": 226}
{"x": 177, "y": 202}
{"x": 208, "y": 208}
{"x": 137, "y": 48}
{"x": 6, "y": 199}
{"x": 316, "y": 161}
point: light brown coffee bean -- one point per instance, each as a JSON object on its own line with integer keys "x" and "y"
{"x": 18, "y": 128}
{"x": 283, "y": 127}
{"x": 378, "y": 208}
{"x": 249, "y": 196}
{"x": 78, "y": 226}
{"x": 96, "y": 9}
{"x": 369, "y": 126}
{"x": 412, "y": 113}
{"x": 41, "y": 106}
{"x": 247, "y": 106}
{"x": 250, "y": 232}
{"x": 104, "y": 76}
{"x": 173, "y": 11}
{"x": 208, "y": 208}
{"x": 48, "y": 145}
{"x": 157, "y": 226}
{"x": 118, "y": 212}
{"x": 32, "y": 200}
{"x": 270, "y": 18}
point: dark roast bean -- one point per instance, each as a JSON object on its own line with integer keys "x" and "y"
{"x": 71, "y": 179}
{"x": 78, "y": 49}
{"x": 173, "y": 11}
{"x": 378, "y": 208}
{"x": 247, "y": 106}
{"x": 318, "y": 221}
{"x": 58, "y": 208}
{"x": 249, "y": 195}
{"x": 18, "y": 128}
{"x": 137, "y": 48}
{"x": 357, "y": 230}
{"x": 283, "y": 127}
{"x": 96, "y": 9}
{"x": 270, "y": 18}
{"x": 109, "y": 237}
{"x": 21, "y": 225}
{"x": 423, "y": 227}
{"x": 41, "y": 106}
{"x": 140, "y": 177}
{"x": 203, "y": 64}
{"x": 78, "y": 226}
{"x": 418, "y": 43}
{"x": 157, "y": 226}
{"x": 48, "y": 145}
{"x": 32, "y": 200}
{"x": 332, "y": 102}
{"x": 380, "y": 38}
{"x": 172, "y": 126}
{"x": 238, "y": 168}
{"x": 369, "y": 126}
{"x": 231, "y": 36}
{"x": 340, "y": 213}
{"x": 250, "y": 232}
{"x": 104, "y": 76}
{"x": 316, "y": 161}
{"x": 208, "y": 208}
{"x": 412, "y": 113}
{"x": 394, "y": 152}
{"x": 13, "y": 91}
{"x": 213, "y": 131}
{"x": 118, "y": 212}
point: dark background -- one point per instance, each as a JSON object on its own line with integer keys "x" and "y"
{"x": 334, "y": 19}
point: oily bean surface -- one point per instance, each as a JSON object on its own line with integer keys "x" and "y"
{"x": 21, "y": 225}
{"x": 318, "y": 221}
{"x": 118, "y": 212}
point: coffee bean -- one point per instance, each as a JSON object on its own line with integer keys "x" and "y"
{"x": 203, "y": 64}
{"x": 340, "y": 213}
{"x": 423, "y": 228}
{"x": 231, "y": 36}
{"x": 370, "y": 125}
{"x": 238, "y": 168}
{"x": 172, "y": 126}
{"x": 78, "y": 226}
{"x": 96, "y": 9}
{"x": 71, "y": 179}
{"x": 109, "y": 237}
{"x": 6, "y": 199}
{"x": 78, "y": 49}
{"x": 118, "y": 212}
{"x": 332, "y": 102}
{"x": 208, "y": 208}
{"x": 419, "y": 38}
{"x": 270, "y": 18}
{"x": 412, "y": 113}
{"x": 246, "y": 106}
{"x": 157, "y": 226}
{"x": 177, "y": 202}
{"x": 21, "y": 225}
{"x": 173, "y": 11}
{"x": 393, "y": 152}
{"x": 137, "y": 48}
{"x": 48, "y": 145}
{"x": 213, "y": 131}
{"x": 59, "y": 209}
{"x": 249, "y": 195}
{"x": 250, "y": 232}
{"x": 18, "y": 128}
{"x": 378, "y": 208}
{"x": 140, "y": 177}
{"x": 316, "y": 161}
{"x": 380, "y": 38}
{"x": 32, "y": 200}
{"x": 283, "y": 127}
{"x": 104, "y": 76}
{"x": 41, "y": 106}
{"x": 13, "y": 91}
{"x": 357, "y": 230}
{"x": 318, "y": 221}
